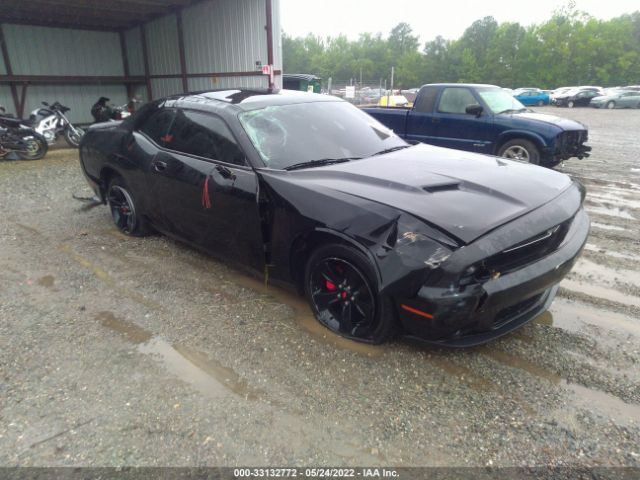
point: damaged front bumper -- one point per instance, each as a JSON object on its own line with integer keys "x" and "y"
{"x": 479, "y": 312}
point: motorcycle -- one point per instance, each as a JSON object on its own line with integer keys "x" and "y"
{"x": 106, "y": 113}
{"x": 51, "y": 122}
{"x": 17, "y": 137}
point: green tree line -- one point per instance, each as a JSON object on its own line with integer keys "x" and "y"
{"x": 571, "y": 48}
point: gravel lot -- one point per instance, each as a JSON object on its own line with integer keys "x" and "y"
{"x": 122, "y": 351}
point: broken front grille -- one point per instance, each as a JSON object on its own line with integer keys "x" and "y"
{"x": 519, "y": 255}
{"x": 570, "y": 142}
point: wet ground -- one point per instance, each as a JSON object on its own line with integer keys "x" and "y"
{"x": 124, "y": 351}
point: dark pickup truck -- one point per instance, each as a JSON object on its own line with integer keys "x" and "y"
{"x": 485, "y": 119}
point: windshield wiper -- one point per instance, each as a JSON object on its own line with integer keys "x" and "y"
{"x": 389, "y": 150}
{"x": 320, "y": 162}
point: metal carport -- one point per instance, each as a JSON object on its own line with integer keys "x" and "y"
{"x": 75, "y": 51}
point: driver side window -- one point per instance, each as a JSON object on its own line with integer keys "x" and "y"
{"x": 456, "y": 100}
{"x": 204, "y": 135}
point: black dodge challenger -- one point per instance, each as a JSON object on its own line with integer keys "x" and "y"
{"x": 446, "y": 246}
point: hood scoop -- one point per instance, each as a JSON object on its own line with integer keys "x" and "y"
{"x": 443, "y": 187}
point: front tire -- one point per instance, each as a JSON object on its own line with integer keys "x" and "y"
{"x": 540, "y": 103}
{"x": 37, "y": 147}
{"x": 520, "y": 149}
{"x": 340, "y": 287}
{"x": 570, "y": 104}
{"x": 124, "y": 209}
{"x": 611, "y": 105}
{"x": 73, "y": 138}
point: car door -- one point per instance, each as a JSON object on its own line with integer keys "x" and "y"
{"x": 142, "y": 147}
{"x": 458, "y": 129}
{"x": 630, "y": 99}
{"x": 422, "y": 123}
{"x": 205, "y": 189}
{"x": 583, "y": 98}
{"x": 525, "y": 98}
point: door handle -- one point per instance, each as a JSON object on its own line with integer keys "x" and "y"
{"x": 159, "y": 166}
{"x": 225, "y": 172}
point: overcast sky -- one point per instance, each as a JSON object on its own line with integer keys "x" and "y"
{"x": 428, "y": 18}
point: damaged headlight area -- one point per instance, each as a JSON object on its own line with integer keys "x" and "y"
{"x": 410, "y": 254}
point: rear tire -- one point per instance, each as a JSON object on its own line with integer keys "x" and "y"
{"x": 37, "y": 147}
{"x": 520, "y": 149}
{"x": 540, "y": 103}
{"x": 73, "y": 139}
{"x": 570, "y": 104}
{"x": 124, "y": 209}
{"x": 611, "y": 105}
{"x": 340, "y": 288}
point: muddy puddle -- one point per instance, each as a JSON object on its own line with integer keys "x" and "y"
{"x": 611, "y": 253}
{"x": 597, "y": 291}
{"x": 611, "y": 212}
{"x": 604, "y": 274}
{"x": 596, "y": 401}
{"x": 613, "y": 228}
{"x": 574, "y": 316}
{"x": 47, "y": 281}
{"x": 191, "y": 366}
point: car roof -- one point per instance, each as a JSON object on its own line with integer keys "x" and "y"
{"x": 245, "y": 99}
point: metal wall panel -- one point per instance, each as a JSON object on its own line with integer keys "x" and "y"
{"x": 133, "y": 41}
{"x": 60, "y": 51}
{"x": 277, "y": 39}
{"x": 225, "y": 35}
{"x": 162, "y": 46}
{"x": 208, "y": 83}
{"x": 162, "y": 87}
{"x": 6, "y": 100}
{"x": 3, "y": 69}
{"x": 79, "y": 98}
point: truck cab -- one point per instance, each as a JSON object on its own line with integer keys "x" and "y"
{"x": 485, "y": 119}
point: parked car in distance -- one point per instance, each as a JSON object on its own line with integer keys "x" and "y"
{"x": 557, "y": 92}
{"x": 485, "y": 119}
{"x": 533, "y": 97}
{"x": 617, "y": 99}
{"x": 576, "y": 98}
{"x": 393, "y": 101}
{"x": 381, "y": 236}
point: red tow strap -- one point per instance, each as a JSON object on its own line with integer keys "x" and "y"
{"x": 206, "y": 200}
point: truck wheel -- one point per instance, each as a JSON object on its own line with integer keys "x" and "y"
{"x": 520, "y": 149}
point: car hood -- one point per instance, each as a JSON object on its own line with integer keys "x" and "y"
{"x": 564, "y": 123}
{"x": 463, "y": 194}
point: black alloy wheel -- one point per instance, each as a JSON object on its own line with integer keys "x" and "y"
{"x": 343, "y": 297}
{"x": 123, "y": 209}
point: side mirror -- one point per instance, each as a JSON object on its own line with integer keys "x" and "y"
{"x": 474, "y": 109}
